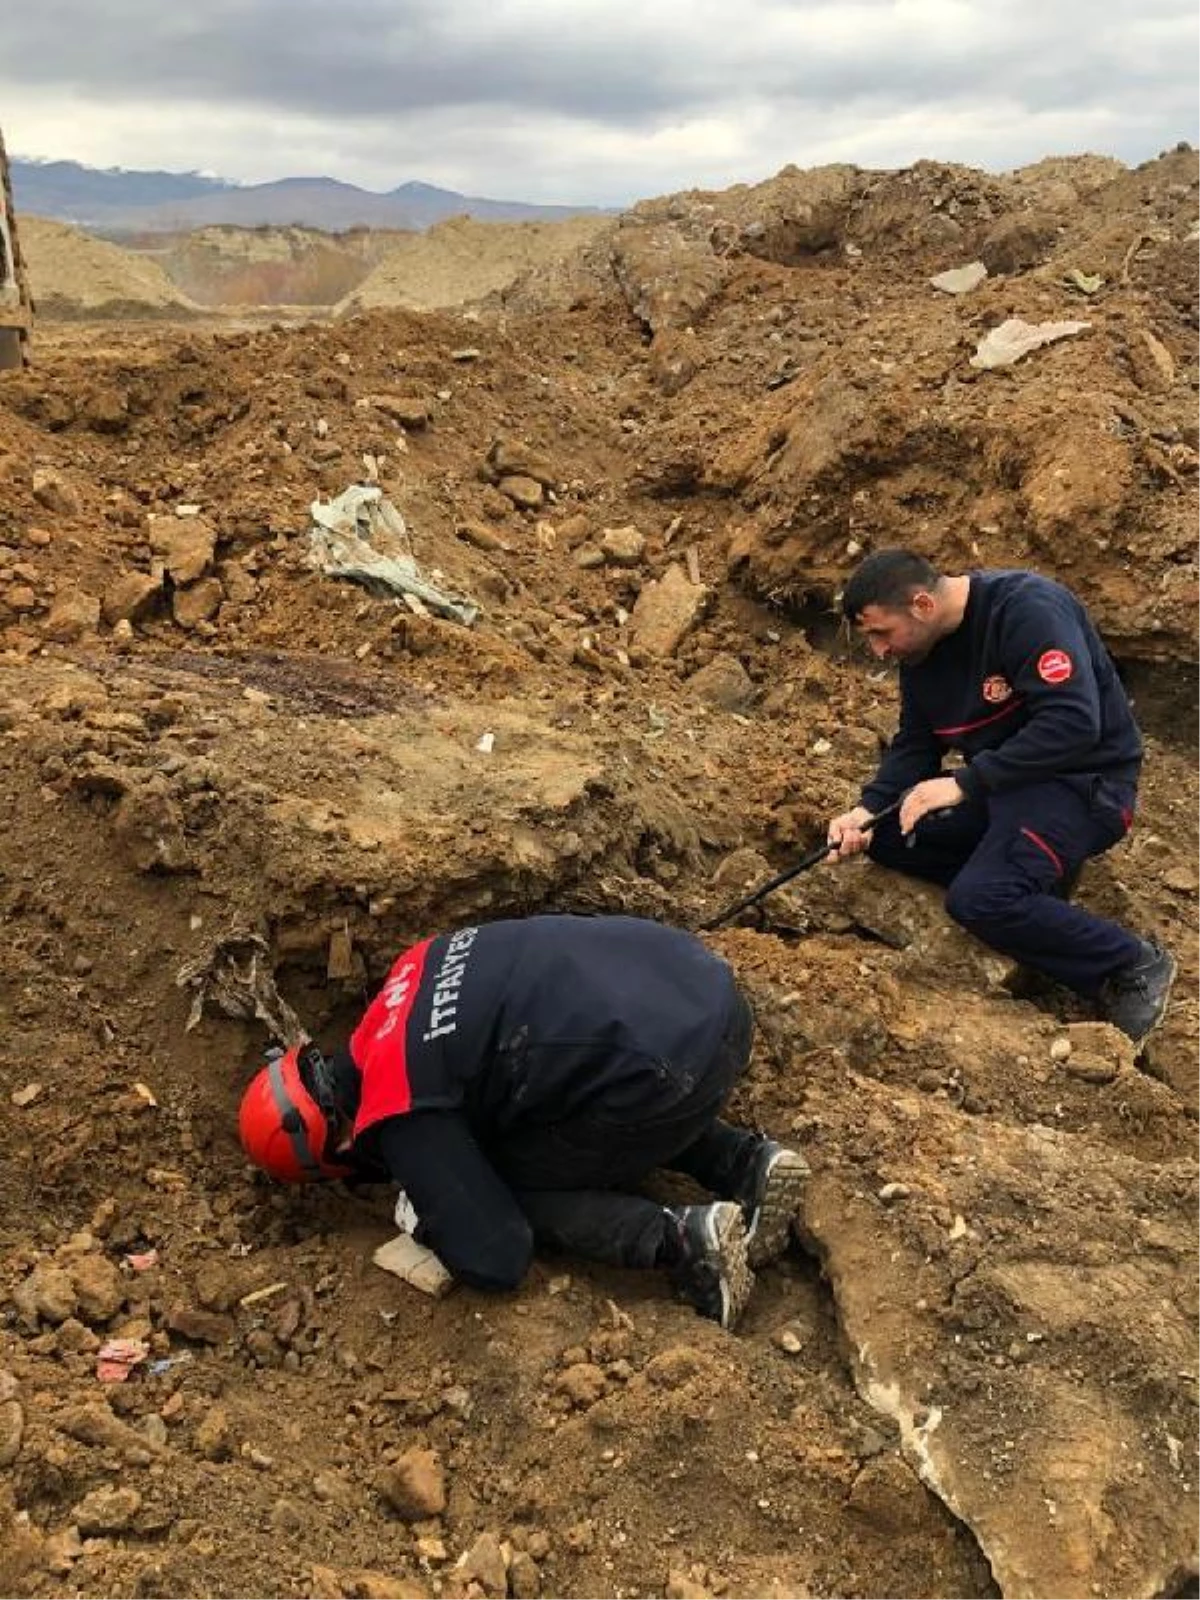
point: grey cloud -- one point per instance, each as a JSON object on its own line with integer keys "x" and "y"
{"x": 685, "y": 92}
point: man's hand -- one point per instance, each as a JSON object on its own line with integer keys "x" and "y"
{"x": 846, "y": 835}
{"x": 935, "y": 794}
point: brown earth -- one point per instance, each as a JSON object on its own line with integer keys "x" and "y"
{"x": 978, "y": 1376}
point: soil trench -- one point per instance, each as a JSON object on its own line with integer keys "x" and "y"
{"x": 238, "y": 786}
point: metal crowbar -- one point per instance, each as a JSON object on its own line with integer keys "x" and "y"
{"x": 810, "y": 860}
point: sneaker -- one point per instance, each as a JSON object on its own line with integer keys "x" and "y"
{"x": 771, "y": 1198}
{"x": 713, "y": 1273}
{"x": 1135, "y": 998}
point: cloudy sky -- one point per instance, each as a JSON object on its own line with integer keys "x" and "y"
{"x": 590, "y": 101}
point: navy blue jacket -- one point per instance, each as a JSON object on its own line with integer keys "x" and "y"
{"x": 1024, "y": 688}
{"x": 520, "y": 1024}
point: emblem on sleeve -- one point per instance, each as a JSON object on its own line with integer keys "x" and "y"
{"x": 996, "y": 689}
{"x": 1055, "y": 666}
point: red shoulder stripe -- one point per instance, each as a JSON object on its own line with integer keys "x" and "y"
{"x": 379, "y": 1043}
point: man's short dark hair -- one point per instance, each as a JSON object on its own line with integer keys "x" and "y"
{"x": 889, "y": 578}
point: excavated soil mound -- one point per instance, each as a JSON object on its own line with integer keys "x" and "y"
{"x": 650, "y": 464}
{"x": 73, "y": 275}
{"x": 462, "y": 260}
{"x": 243, "y": 267}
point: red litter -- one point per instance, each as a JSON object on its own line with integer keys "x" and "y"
{"x": 117, "y": 1359}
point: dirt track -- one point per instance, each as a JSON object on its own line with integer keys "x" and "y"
{"x": 205, "y": 740}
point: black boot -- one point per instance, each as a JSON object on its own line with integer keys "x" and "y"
{"x": 1135, "y": 998}
{"x": 710, "y": 1269}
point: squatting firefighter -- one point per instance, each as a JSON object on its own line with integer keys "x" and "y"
{"x": 517, "y": 1079}
{"x": 1007, "y": 668}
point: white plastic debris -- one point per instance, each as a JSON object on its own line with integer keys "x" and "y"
{"x": 361, "y": 536}
{"x": 486, "y": 744}
{"x": 960, "y": 280}
{"x": 413, "y": 1263}
{"x": 1016, "y": 338}
{"x": 406, "y": 1217}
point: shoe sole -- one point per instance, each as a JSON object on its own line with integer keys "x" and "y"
{"x": 729, "y": 1245}
{"x": 771, "y": 1230}
{"x": 1166, "y": 1001}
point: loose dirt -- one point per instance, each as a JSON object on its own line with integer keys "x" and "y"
{"x": 651, "y": 461}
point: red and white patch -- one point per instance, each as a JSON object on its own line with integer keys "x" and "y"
{"x": 1055, "y": 666}
{"x": 996, "y": 689}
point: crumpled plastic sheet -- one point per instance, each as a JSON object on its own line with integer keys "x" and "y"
{"x": 1016, "y": 338}
{"x": 361, "y": 536}
{"x": 233, "y": 974}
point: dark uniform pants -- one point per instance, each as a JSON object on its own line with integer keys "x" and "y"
{"x": 1002, "y": 862}
{"x": 568, "y": 1178}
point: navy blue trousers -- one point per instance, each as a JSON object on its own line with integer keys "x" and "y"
{"x": 1001, "y": 861}
{"x": 572, "y": 1180}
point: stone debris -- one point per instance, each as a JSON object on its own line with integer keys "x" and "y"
{"x": 666, "y": 610}
{"x": 414, "y": 1485}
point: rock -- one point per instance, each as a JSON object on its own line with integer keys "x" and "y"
{"x": 213, "y": 1438}
{"x": 198, "y": 604}
{"x": 73, "y": 615}
{"x": 573, "y": 531}
{"x": 723, "y": 683}
{"x": 675, "y": 359}
{"x": 99, "y": 1289}
{"x": 407, "y": 411}
{"x": 1060, "y": 1049}
{"x": 1090, "y": 1068}
{"x": 672, "y": 1368}
{"x": 680, "y": 1586}
{"x": 332, "y": 1489}
{"x": 108, "y": 1510}
{"x": 508, "y": 460}
{"x": 589, "y": 556}
{"x": 95, "y": 1424}
{"x": 525, "y": 493}
{"x": 130, "y": 598}
{"x": 1151, "y": 363}
{"x": 665, "y": 611}
{"x": 363, "y": 1583}
{"x": 62, "y": 1550}
{"x": 12, "y": 1429}
{"x": 217, "y": 1286}
{"x": 481, "y": 536}
{"x": 153, "y": 1428}
{"x": 47, "y": 1295}
{"x": 524, "y": 1577}
{"x": 583, "y": 1384}
{"x": 484, "y": 1564}
{"x": 105, "y": 410}
{"x": 56, "y": 493}
{"x": 150, "y": 826}
{"x": 184, "y": 544}
{"x": 415, "y": 1485}
{"x": 1019, "y": 241}
{"x": 623, "y": 547}
{"x": 288, "y": 1517}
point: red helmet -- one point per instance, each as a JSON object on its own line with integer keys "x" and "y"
{"x": 284, "y": 1127}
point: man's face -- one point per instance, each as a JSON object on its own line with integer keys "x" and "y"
{"x": 905, "y": 634}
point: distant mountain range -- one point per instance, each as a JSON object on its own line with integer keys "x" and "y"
{"x": 115, "y": 202}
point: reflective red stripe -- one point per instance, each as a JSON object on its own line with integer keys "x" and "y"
{"x": 379, "y": 1043}
{"x": 983, "y": 722}
{"x": 1042, "y": 845}
{"x": 1127, "y": 817}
